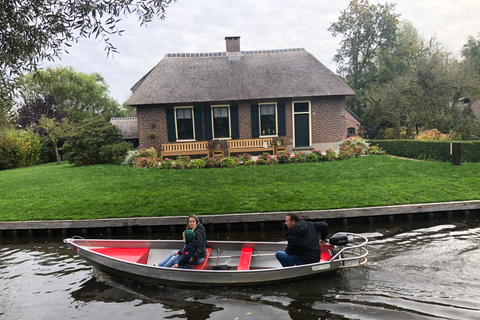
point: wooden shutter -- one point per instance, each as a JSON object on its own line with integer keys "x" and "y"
{"x": 207, "y": 122}
{"x": 282, "y": 120}
{"x": 234, "y": 122}
{"x": 255, "y": 121}
{"x": 197, "y": 114}
{"x": 170, "y": 114}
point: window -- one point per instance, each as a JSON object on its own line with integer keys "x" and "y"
{"x": 184, "y": 121}
{"x": 350, "y": 132}
{"x": 221, "y": 121}
{"x": 268, "y": 119}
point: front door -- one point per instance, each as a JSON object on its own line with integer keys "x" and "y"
{"x": 301, "y": 116}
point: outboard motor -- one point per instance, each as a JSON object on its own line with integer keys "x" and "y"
{"x": 338, "y": 239}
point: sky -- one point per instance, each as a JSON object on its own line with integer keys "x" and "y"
{"x": 193, "y": 26}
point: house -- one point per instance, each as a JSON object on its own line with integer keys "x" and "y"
{"x": 128, "y": 127}
{"x": 238, "y": 94}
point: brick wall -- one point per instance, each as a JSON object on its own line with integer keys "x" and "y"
{"x": 351, "y": 122}
{"x": 328, "y": 121}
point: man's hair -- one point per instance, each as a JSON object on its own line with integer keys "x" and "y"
{"x": 293, "y": 216}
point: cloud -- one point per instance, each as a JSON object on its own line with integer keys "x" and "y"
{"x": 195, "y": 26}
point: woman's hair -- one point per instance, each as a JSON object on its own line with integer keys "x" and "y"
{"x": 196, "y": 219}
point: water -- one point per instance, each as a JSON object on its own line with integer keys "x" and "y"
{"x": 423, "y": 270}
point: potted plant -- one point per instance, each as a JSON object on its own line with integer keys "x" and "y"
{"x": 278, "y": 141}
{"x": 216, "y": 144}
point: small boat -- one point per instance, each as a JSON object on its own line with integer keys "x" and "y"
{"x": 227, "y": 262}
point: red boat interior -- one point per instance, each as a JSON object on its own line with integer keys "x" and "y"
{"x": 140, "y": 255}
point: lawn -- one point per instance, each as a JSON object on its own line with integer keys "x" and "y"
{"x": 53, "y": 191}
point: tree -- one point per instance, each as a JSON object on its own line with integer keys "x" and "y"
{"x": 55, "y": 131}
{"x": 33, "y": 31}
{"x": 33, "y": 109}
{"x": 76, "y": 95}
{"x": 368, "y": 31}
{"x": 471, "y": 52}
{"x": 84, "y": 144}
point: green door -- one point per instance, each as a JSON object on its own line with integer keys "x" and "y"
{"x": 301, "y": 116}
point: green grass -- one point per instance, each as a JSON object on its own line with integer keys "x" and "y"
{"x": 50, "y": 191}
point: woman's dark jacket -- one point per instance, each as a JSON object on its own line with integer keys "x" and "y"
{"x": 201, "y": 236}
{"x": 303, "y": 240}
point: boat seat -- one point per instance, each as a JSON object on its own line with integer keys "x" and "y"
{"x": 204, "y": 264}
{"x": 137, "y": 255}
{"x": 326, "y": 252}
{"x": 245, "y": 259}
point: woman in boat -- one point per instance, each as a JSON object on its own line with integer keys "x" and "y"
{"x": 183, "y": 258}
{"x": 194, "y": 223}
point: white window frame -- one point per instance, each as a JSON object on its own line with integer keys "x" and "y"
{"x": 229, "y": 121}
{"x": 260, "y": 119}
{"x": 193, "y": 122}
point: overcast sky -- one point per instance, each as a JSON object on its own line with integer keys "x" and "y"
{"x": 201, "y": 26}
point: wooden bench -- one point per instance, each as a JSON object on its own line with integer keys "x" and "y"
{"x": 204, "y": 264}
{"x": 249, "y": 145}
{"x": 184, "y": 148}
{"x": 245, "y": 259}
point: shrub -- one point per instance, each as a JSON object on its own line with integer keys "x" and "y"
{"x": 182, "y": 162}
{"x": 18, "y": 149}
{"x": 312, "y": 157}
{"x": 260, "y": 162}
{"x": 356, "y": 141}
{"x": 346, "y": 152}
{"x": 299, "y": 157}
{"x": 130, "y": 158}
{"x": 249, "y": 163}
{"x": 166, "y": 164}
{"x": 149, "y": 152}
{"x": 432, "y": 135}
{"x": 228, "y": 162}
{"x": 86, "y": 139}
{"x": 244, "y": 157}
{"x": 375, "y": 150}
{"x": 197, "y": 163}
{"x": 283, "y": 157}
{"x": 212, "y": 162}
{"x": 114, "y": 153}
{"x": 146, "y": 162}
{"x": 330, "y": 155}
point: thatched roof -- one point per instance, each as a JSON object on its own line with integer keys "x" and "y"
{"x": 252, "y": 75}
{"x": 128, "y": 126}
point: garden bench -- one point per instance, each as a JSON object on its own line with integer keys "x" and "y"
{"x": 249, "y": 145}
{"x": 184, "y": 149}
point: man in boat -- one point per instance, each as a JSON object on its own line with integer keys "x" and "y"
{"x": 303, "y": 245}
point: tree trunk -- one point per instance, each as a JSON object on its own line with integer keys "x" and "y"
{"x": 59, "y": 158}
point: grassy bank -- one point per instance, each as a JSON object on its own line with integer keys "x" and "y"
{"x": 106, "y": 191}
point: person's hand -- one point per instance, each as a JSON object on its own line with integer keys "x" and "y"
{"x": 322, "y": 242}
{"x": 175, "y": 265}
{"x": 191, "y": 259}
{"x": 175, "y": 253}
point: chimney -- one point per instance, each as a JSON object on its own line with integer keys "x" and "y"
{"x": 233, "y": 45}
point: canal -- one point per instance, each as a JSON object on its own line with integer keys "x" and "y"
{"x": 416, "y": 270}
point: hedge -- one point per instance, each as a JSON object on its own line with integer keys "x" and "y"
{"x": 429, "y": 150}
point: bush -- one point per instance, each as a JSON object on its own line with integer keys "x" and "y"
{"x": 312, "y": 157}
{"x": 283, "y": 157}
{"x": 166, "y": 164}
{"x": 354, "y": 142}
{"x": 182, "y": 162}
{"x": 212, "y": 162}
{"x": 197, "y": 163}
{"x": 115, "y": 153}
{"x": 330, "y": 155}
{"x": 432, "y": 135}
{"x": 228, "y": 162}
{"x": 146, "y": 162}
{"x": 18, "y": 148}
{"x": 83, "y": 144}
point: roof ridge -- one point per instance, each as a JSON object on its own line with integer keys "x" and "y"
{"x": 224, "y": 54}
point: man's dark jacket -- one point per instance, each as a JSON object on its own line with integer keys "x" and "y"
{"x": 303, "y": 240}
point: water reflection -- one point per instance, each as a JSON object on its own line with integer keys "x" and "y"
{"x": 415, "y": 271}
